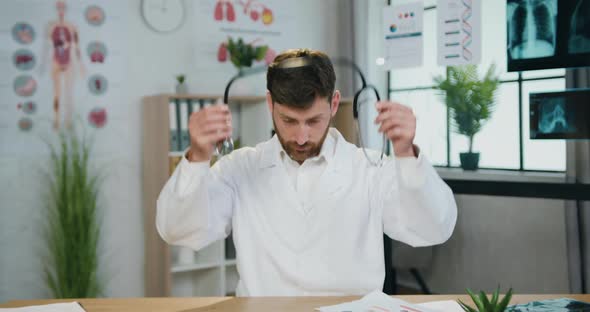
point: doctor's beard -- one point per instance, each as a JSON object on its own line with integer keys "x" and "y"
{"x": 300, "y": 153}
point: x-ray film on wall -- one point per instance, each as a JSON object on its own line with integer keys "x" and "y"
{"x": 547, "y": 34}
{"x": 560, "y": 115}
{"x": 579, "y": 33}
{"x": 532, "y": 28}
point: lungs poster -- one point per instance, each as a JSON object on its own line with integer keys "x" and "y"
{"x": 258, "y": 22}
{"x": 62, "y": 66}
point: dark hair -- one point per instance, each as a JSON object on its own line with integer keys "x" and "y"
{"x": 297, "y": 77}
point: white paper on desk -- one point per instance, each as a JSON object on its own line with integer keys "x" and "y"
{"x": 54, "y": 307}
{"x": 446, "y": 306}
{"x": 376, "y": 301}
{"x": 402, "y": 32}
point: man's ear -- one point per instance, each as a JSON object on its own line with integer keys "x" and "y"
{"x": 269, "y": 101}
{"x": 335, "y": 102}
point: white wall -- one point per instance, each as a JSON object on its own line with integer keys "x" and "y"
{"x": 153, "y": 62}
{"x": 507, "y": 241}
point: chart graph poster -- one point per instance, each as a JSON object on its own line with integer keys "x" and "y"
{"x": 459, "y": 32}
{"x": 402, "y": 31}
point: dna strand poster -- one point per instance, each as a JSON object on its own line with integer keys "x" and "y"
{"x": 459, "y": 32}
{"x": 63, "y": 66}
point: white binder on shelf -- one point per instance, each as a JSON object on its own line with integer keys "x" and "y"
{"x": 174, "y": 139}
{"x": 184, "y": 135}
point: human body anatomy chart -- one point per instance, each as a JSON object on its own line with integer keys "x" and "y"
{"x": 62, "y": 64}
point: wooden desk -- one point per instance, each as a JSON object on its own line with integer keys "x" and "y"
{"x": 248, "y": 304}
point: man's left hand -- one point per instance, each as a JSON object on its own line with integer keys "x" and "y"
{"x": 398, "y": 123}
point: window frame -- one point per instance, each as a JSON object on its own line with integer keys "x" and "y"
{"x": 520, "y": 80}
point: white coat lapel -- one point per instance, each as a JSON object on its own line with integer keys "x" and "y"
{"x": 280, "y": 210}
{"x": 337, "y": 173}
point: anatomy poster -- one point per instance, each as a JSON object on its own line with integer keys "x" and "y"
{"x": 459, "y": 32}
{"x": 62, "y": 66}
{"x": 259, "y": 22}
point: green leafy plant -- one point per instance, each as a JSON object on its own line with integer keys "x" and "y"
{"x": 180, "y": 78}
{"x": 72, "y": 231}
{"x": 243, "y": 54}
{"x": 471, "y": 101}
{"x": 483, "y": 304}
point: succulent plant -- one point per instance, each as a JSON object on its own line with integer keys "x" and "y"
{"x": 483, "y": 304}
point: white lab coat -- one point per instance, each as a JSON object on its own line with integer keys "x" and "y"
{"x": 333, "y": 247}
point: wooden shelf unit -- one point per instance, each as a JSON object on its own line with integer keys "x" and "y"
{"x": 171, "y": 270}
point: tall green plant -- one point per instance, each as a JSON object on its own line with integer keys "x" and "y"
{"x": 72, "y": 221}
{"x": 471, "y": 101}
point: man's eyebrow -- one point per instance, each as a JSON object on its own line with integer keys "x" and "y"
{"x": 285, "y": 116}
{"x": 282, "y": 115}
{"x": 320, "y": 115}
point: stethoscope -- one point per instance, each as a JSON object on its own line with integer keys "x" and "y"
{"x": 226, "y": 146}
{"x": 355, "y": 109}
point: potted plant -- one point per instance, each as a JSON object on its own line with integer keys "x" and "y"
{"x": 243, "y": 54}
{"x": 181, "y": 86}
{"x": 483, "y": 304}
{"x": 471, "y": 102}
{"x": 72, "y": 232}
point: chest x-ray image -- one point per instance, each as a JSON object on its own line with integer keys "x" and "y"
{"x": 532, "y": 28}
{"x": 579, "y": 34}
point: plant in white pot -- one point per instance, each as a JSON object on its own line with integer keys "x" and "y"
{"x": 181, "y": 86}
{"x": 471, "y": 102}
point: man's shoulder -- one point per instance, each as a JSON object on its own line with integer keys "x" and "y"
{"x": 249, "y": 154}
{"x": 244, "y": 153}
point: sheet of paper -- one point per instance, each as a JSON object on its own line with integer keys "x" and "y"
{"x": 376, "y": 301}
{"x": 402, "y": 32}
{"x": 458, "y": 32}
{"x": 55, "y": 307}
{"x": 446, "y": 306}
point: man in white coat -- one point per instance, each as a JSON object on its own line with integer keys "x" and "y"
{"x": 306, "y": 208}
